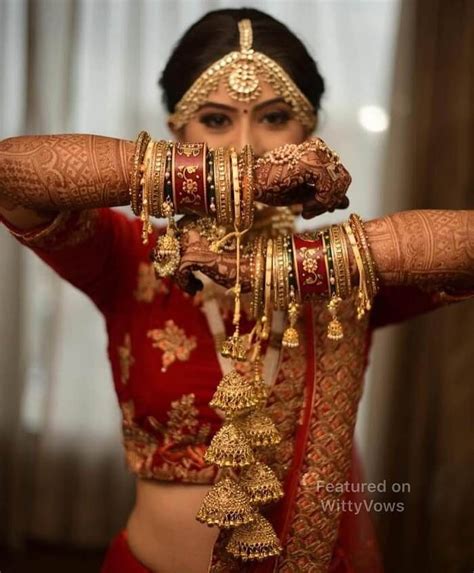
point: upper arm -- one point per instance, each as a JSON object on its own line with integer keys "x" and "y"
{"x": 90, "y": 248}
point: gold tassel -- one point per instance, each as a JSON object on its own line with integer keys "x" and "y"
{"x": 261, "y": 484}
{"x": 256, "y": 540}
{"x": 260, "y": 390}
{"x": 235, "y": 394}
{"x": 291, "y": 337}
{"x": 260, "y": 429}
{"x": 335, "y": 331}
{"x": 229, "y": 448}
{"x": 234, "y": 347}
{"x": 226, "y": 505}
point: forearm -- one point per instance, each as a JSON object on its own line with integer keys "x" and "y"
{"x": 60, "y": 172}
{"x": 432, "y": 249}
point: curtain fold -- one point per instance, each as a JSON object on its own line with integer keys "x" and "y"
{"x": 421, "y": 410}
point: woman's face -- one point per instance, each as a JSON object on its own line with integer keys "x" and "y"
{"x": 264, "y": 123}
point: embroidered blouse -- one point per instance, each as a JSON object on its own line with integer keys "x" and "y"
{"x": 161, "y": 350}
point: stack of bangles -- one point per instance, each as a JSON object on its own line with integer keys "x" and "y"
{"x": 169, "y": 178}
{"x": 327, "y": 265}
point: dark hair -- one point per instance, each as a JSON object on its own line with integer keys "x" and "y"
{"x": 216, "y": 34}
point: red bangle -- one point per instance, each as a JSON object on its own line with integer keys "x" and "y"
{"x": 310, "y": 267}
{"x": 189, "y": 178}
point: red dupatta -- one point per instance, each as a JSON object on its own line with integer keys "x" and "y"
{"x": 322, "y": 454}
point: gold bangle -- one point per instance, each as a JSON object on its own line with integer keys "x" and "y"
{"x": 222, "y": 185}
{"x": 266, "y": 320}
{"x": 146, "y": 183}
{"x": 234, "y": 167}
{"x": 286, "y": 271}
{"x": 259, "y": 276}
{"x": 229, "y": 214}
{"x": 340, "y": 267}
{"x": 279, "y": 274}
{"x": 358, "y": 228}
{"x": 159, "y": 171}
{"x": 364, "y": 302}
{"x": 141, "y": 144}
{"x": 246, "y": 163}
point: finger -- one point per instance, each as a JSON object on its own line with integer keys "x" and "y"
{"x": 188, "y": 282}
{"x": 344, "y": 203}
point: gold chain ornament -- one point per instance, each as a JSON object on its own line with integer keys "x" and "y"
{"x": 243, "y": 72}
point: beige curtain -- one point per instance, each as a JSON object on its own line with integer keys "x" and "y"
{"x": 423, "y": 409}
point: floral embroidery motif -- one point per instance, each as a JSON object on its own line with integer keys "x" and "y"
{"x": 147, "y": 284}
{"x": 174, "y": 343}
{"x": 171, "y": 451}
{"x": 125, "y": 358}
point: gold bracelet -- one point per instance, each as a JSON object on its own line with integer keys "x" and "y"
{"x": 222, "y": 185}
{"x": 159, "y": 171}
{"x": 364, "y": 303}
{"x": 141, "y": 144}
{"x": 146, "y": 183}
{"x": 341, "y": 270}
{"x": 234, "y": 168}
{"x": 266, "y": 319}
{"x": 246, "y": 164}
{"x": 358, "y": 228}
{"x": 279, "y": 301}
{"x": 259, "y": 276}
{"x": 229, "y": 211}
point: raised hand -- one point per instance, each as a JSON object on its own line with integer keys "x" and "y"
{"x": 197, "y": 254}
{"x": 310, "y": 174}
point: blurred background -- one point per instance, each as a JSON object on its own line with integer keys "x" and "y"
{"x": 398, "y": 109}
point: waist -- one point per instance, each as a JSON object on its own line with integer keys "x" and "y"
{"x": 163, "y": 532}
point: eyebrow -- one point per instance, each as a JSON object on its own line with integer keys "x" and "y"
{"x": 258, "y": 107}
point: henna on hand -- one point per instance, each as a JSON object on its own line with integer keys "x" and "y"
{"x": 221, "y": 267}
{"x": 433, "y": 249}
{"x": 309, "y": 172}
{"x": 60, "y": 172}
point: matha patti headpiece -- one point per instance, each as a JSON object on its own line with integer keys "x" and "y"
{"x": 244, "y": 71}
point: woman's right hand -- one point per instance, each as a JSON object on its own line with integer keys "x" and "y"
{"x": 309, "y": 174}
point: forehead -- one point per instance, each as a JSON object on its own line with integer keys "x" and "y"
{"x": 221, "y": 96}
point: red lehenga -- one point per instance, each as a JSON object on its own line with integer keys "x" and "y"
{"x": 165, "y": 370}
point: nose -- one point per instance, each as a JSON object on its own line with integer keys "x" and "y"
{"x": 246, "y": 135}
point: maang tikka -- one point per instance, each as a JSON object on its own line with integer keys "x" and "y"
{"x": 243, "y": 71}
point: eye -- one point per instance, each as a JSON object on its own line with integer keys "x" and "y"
{"x": 276, "y": 117}
{"x": 215, "y": 120}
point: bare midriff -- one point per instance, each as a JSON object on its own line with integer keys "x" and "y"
{"x": 163, "y": 533}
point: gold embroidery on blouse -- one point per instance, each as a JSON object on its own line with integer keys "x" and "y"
{"x": 171, "y": 451}
{"x": 147, "y": 284}
{"x": 125, "y": 358}
{"x": 182, "y": 426}
{"x": 174, "y": 343}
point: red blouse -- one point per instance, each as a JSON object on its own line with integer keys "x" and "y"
{"x": 161, "y": 350}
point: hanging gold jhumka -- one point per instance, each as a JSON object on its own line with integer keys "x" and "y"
{"x": 245, "y": 483}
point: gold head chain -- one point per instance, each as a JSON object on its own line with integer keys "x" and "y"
{"x": 244, "y": 70}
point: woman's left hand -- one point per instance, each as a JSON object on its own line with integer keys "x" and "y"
{"x": 310, "y": 174}
{"x": 197, "y": 255}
